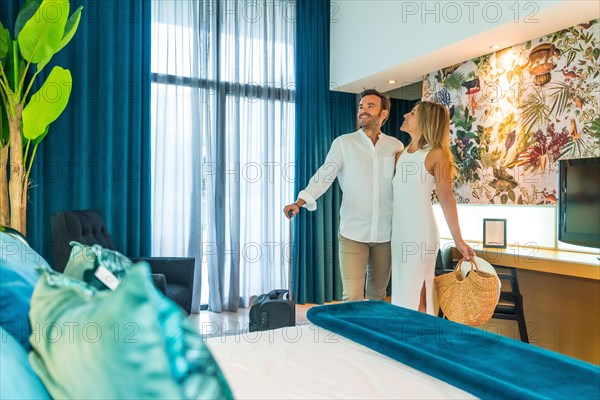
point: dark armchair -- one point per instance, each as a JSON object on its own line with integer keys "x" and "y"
{"x": 173, "y": 276}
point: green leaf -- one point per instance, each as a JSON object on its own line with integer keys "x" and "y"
{"x": 48, "y": 103}
{"x": 567, "y": 150}
{"x": 455, "y": 80}
{"x": 561, "y": 95}
{"x": 10, "y": 70}
{"x": 27, "y": 11}
{"x": 70, "y": 30}
{"x": 534, "y": 110}
{"x": 503, "y": 199}
{"x": 596, "y": 127}
{"x": 571, "y": 57}
{"x": 41, "y": 36}
{"x": 4, "y": 41}
{"x": 511, "y": 195}
{"x": 38, "y": 139}
{"x": 71, "y": 27}
{"x": 43, "y": 63}
{"x": 454, "y": 152}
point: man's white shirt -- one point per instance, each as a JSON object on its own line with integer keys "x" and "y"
{"x": 365, "y": 173}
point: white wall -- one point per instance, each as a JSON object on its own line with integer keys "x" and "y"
{"x": 530, "y": 226}
{"x": 373, "y": 41}
{"x": 524, "y": 224}
{"x": 375, "y": 35}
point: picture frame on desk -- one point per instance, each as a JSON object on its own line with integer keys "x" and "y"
{"x": 494, "y": 233}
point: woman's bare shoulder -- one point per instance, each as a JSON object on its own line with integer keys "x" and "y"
{"x": 436, "y": 154}
{"x": 436, "y": 150}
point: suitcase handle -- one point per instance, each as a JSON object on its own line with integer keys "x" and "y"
{"x": 277, "y": 294}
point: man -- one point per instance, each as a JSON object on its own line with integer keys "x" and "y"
{"x": 363, "y": 162}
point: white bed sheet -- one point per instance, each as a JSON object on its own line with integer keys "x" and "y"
{"x": 308, "y": 362}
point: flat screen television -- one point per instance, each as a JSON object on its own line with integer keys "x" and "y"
{"x": 579, "y": 202}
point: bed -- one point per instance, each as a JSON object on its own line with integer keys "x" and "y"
{"x": 309, "y": 362}
{"x": 368, "y": 350}
{"x": 351, "y": 350}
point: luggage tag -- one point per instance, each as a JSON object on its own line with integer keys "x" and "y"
{"x": 107, "y": 277}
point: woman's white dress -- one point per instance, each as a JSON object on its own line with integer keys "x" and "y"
{"x": 415, "y": 235}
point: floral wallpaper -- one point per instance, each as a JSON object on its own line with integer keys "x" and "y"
{"x": 516, "y": 112}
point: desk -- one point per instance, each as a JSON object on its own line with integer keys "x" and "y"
{"x": 579, "y": 265}
{"x": 561, "y": 298}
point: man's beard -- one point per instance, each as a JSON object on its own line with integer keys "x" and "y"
{"x": 373, "y": 122}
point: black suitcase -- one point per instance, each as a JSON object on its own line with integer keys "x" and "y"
{"x": 272, "y": 310}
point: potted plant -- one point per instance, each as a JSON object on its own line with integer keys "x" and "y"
{"x": 42, "y": 29}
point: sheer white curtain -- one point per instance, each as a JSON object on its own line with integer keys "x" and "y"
{"x": 223, "y": 142}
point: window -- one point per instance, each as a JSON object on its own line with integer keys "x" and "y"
{"x": 223, "y": 137}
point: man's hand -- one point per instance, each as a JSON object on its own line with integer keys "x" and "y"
{"x": 291, "y": 210}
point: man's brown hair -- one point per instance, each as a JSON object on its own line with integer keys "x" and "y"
{"x": 385, "y": 99}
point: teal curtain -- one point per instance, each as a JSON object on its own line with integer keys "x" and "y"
{"x": 321, "y": 116}
{"x": 398, "y": 108}
{"x": 314, "y": 232}
{"x": 9, "y": 9}
{"x": 97, "y": 154}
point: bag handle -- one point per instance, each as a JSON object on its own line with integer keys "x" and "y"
{"x": 277, "y": 294}
{"x": 459, "y": 263}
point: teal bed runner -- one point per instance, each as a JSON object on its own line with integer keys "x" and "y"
{"x": 482, "y": 363}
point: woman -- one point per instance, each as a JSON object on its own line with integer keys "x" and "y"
{"x": 426, "y": 164}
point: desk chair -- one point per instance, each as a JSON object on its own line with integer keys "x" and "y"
{"x": 510, "y": 305}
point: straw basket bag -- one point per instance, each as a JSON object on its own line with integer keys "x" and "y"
{"x": 468, "y": 300}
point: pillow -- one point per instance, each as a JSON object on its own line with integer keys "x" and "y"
{"x": 17, "y": 379}
{"x": 127, "y": 343}
{"x": 18, "y": 277}
{"x": 84, "y": 260}
{"x": 80, "y": 261}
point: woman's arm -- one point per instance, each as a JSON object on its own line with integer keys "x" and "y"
{"x": 397, "y": 156}
{"x": 439, "y": 166}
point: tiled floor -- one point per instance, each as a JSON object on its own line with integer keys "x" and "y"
{"x": 212, "y": 324}
{"x": 226, "y": 323}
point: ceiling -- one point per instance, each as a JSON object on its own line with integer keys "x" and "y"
{"x": 553, "y": 18}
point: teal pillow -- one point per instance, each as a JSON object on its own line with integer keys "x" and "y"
{"x": 126, "y": 343}
{"x": 18, "y": 277}
{"x": 84, "y": 260}
{"x": 17, "y": 379}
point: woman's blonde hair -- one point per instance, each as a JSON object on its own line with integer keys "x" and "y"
{"x": 434, "y": 121}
